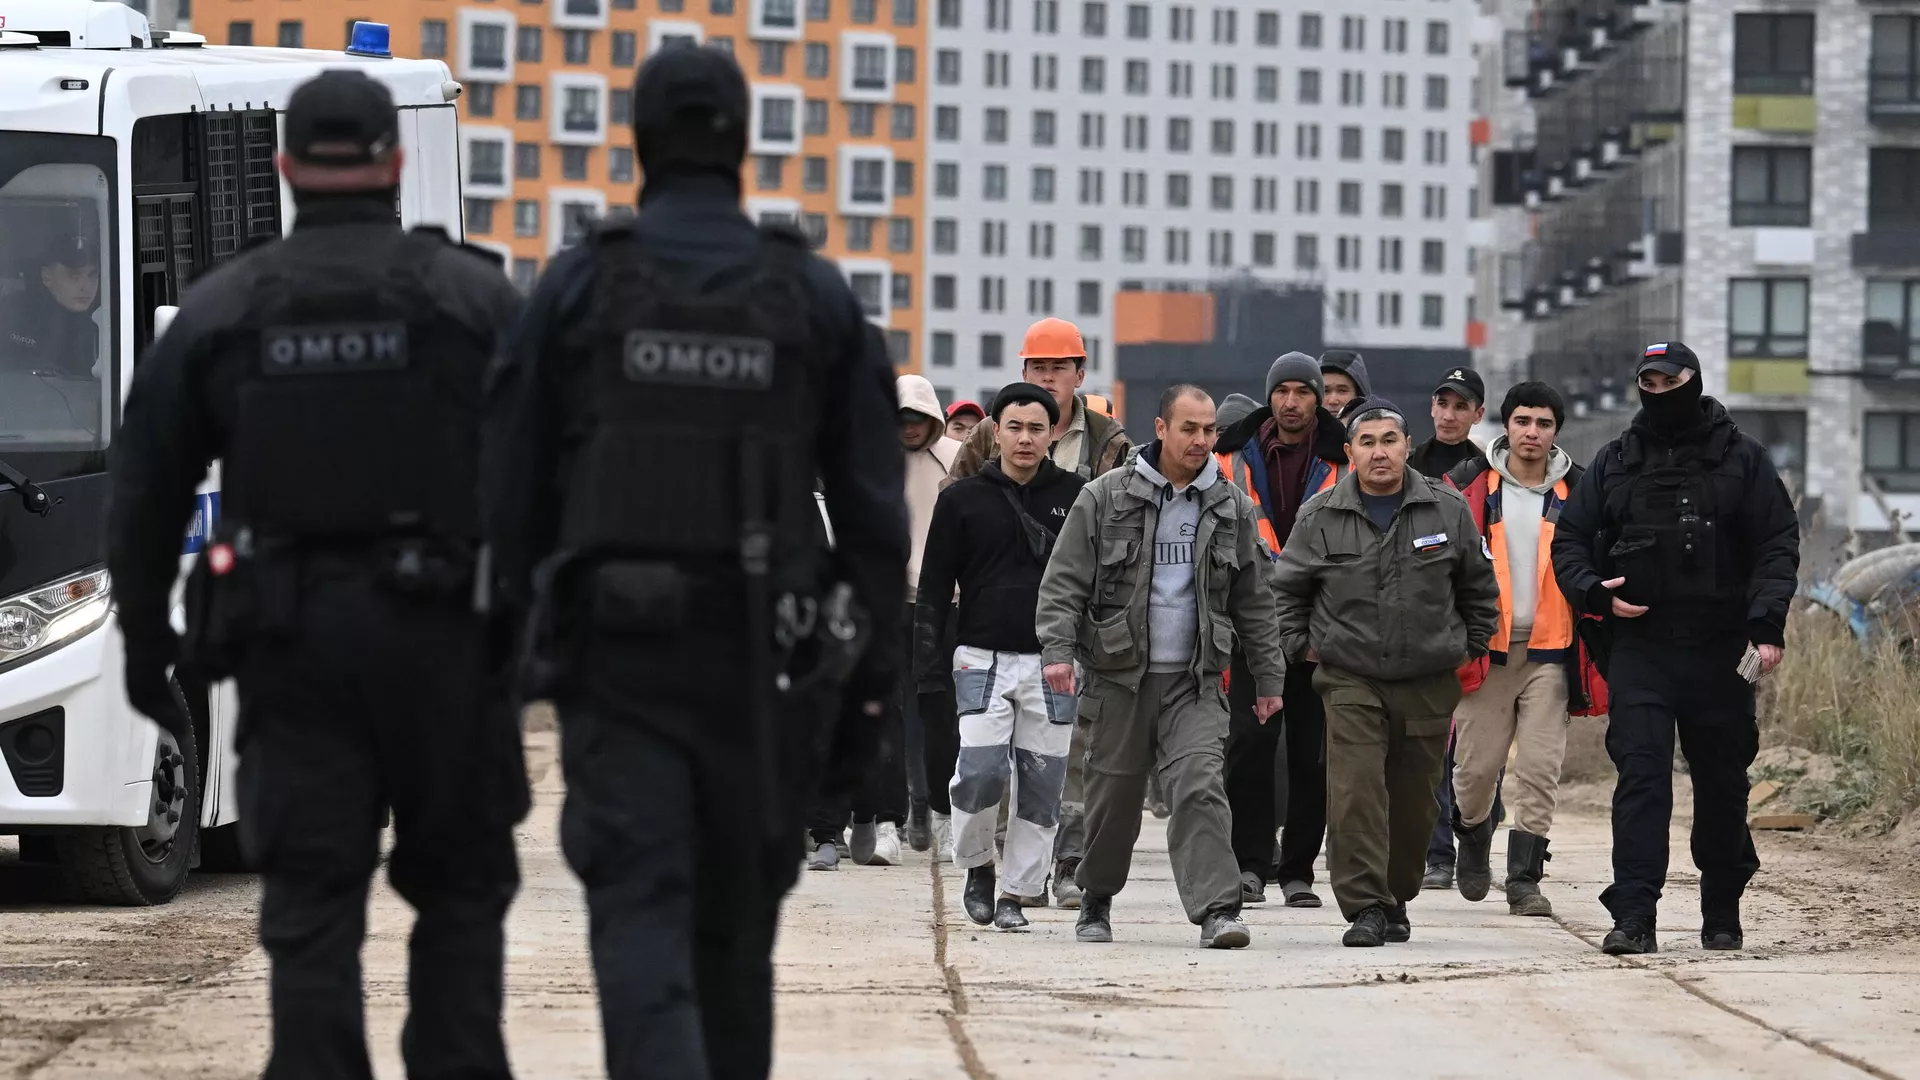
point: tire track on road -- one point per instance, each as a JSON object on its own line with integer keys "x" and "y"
{"x": 956, "y": 990}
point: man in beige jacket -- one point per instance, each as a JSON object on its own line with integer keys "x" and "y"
{"x": 930, "y": 454}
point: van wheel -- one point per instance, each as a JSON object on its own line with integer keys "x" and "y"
{"x": 143, "y": 864}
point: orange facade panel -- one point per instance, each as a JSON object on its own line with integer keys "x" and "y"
{"x": 1476, "y": 335}
{"x": 1480, "y": 131}
{"x": 1141, "y": 318}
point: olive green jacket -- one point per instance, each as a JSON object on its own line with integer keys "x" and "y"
{"x": 1417, "y": 599}
{"x": 1098, "y": 586}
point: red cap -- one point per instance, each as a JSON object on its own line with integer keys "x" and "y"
{"x": 965, "y": 406}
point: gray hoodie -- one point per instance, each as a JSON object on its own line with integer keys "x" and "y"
{"x": 1352, "y": 365}
{"x": 1173, "y": 617}
{"x": 1521, "y": 508}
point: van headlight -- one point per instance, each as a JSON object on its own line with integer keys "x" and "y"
{"x": 53, "y": 614}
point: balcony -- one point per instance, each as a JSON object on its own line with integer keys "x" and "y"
{"x": 866, "y": 67}
{"x": 1788, "y": 114}
{"x": 579, "y": 113}
{"x": 1893, "y": 97}
{"x": 776, "y": 20}
{"x": 580, "y": 14}
{"x": 1887, "y": 247}
{"x": 776, "y": 124}
{"x": 487, "y": 150}
{"x": 484, "y": 53}
{"x": 864, "y": 181}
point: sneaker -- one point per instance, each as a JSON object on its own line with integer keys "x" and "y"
{"x": 1720, "y": 931}
{"x": 978, "y": 895}
{"x": 1007, "y": 915}
{"x": 884, "y": 849}
{"x": 1252, "y": 889}
{"x": 1299, "y": 894}
{"x": 824, "y": 857}
{"x": 1096, "y": 919}
{"x": 1439, "y": 876}
{"x": 1034, "y": 901}
{"x": 1631, "y": 936}
{"x": 1369, "y": 929}
{"x": 1066, "y": 891}
{"x": 1224, "y": 930}
{"x": 865, "y": 838}
{"x": 1399, "y": 927}
{"x": 919, "y": 829}
{"x": 1473, "y": 872}
{"x": 840, "y": 845}
{"x": 942, "y": 838}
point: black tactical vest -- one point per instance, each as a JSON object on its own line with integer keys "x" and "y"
{"x": 701, "y": 404}
{"x": 1668, "y": 546}
{"x": 359, "y": 400}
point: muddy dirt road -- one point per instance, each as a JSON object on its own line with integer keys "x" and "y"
{"x": 882, "y": 977}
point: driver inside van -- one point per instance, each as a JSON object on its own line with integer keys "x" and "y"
{"x": 48, "y": 329}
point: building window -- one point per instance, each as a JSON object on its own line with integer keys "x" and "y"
{"x": 1306, "y": 251}
{"x": 1179, "y": 247}
{"x": 772, "y": 57}
{"x": 814, "y": 117}
{"x": 573, "y": 163}
{"x": 993, "y": 182}
{"x": 866, "y": 289}
{"x": 1177, "y": 191}
{"x": 526, "y": 103}
{"x": 781, "y": 12}
{"x": 1307, "y": 92}
{"x": 1772, "y": 185}
{"x": 996, "y": 129}
{"x": 1773, "y": 54}
{"x": 526, "y": 218}
{"x": 869, "y": 67}
{"x": 865, "y": 12}
{"x": 1093, "y": 19}
{"x": 992, "y": 351}
{"x": 859, "y": 232}
{"x": 1222, "y": 140}
{"x": 942, "y": 351}
{"x": 1393, "y": 144}
{"x": 860, "y": 117}
{"x": 1263, "y": 249}
{"x": 946, "y": 67}
{"x": 769, "y": 172}
{"x": 577, "y": 46}
{"x": 1891, "y": 449}
{"x": 1087, "y": 297}
{"x": 241, "y": 33}
{"x": 480, "y": 99}
{"x": 479, "y": 216}
{"x": 1179, "y": 134}
{"x": 1350, "y": 136}
{"x": 620, "y": 165}
{"x": 1042, "y": 184}
{"x": 901, "y": 121}
{"x": 903, "y": 179}
{"x": 1353, "y": 33}
{"x": 1392, "y": 201}
{"x": 620, "y": 107}
{"x": 1220, "y": 193}
{"x": 626, "y": 48}
{"x": 1432, "y": 310}
{"x": 583, "y": 110}
{"x": 292, "y": 34}
{"x": 1090, "y": 242}
{"x": 1350, "y": 198}
{"x": 1893, "y": 188}
{"x": 1895, "y": 66}
{"x": 813, "y": 174}
{"x": 527, "y": 45}
{"x": 1437, "y": 37}
{"x": 1133, "y": 244}
{"x": 526, "y": 161}
{"x": 1767, "y": 317}
{"x": 906, "y": 65}
{"x": 1310, "y": 28}
{"x": 816, "y": 60}
{"x": 946, "y": 180}
{"x": 1093, "y": 74}
{"x": 815, "y": 227}
{"x": 1893, "y": 323}
{"x": 433, "y": 39}
{"x": 946, "y": 236}
{"x": 1433, "y": 257}
{"x": 869, "y": 181}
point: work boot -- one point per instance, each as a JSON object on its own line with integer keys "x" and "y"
{"x": 1720, "y": 928}
{"x": 1472, "y": 873}
{"x": 865, "y": 836}
{"x": 1096, "y": 919}
{"x": 1224, "y": 930}
{"x": 942, "y": 838}
{"x": 884, "y": 849}
{"x": 1034, "y": 901}
{"x": 1252, "y": 889}
{"x": 1439, "y": 876}
{"x": 919, "y": 831}
{"x": 1007, "y": 915}
{"x": 824, "y": 857}
{"x": 1066, "y": 891}
{"x": 1369, "y": 929}
{"x": 1399, "y": 927}
{"x": 978, "y": 895}
{"x": 1526, "y": 861}
{"x": 1631, "y": 936}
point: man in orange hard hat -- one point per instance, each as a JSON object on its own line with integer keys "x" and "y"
{"x": 1087, "y": 441}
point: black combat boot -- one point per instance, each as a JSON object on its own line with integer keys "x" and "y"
{"x": 1369, "y": 929}
{"x": 1399, "y": 926}
{"x": 1473, "y": 870}
{"x": 1720, "y": 927}
{"x": 978, "y": 896}
{"x": 1526, "y": 862}
{"x": 1631, "y": 936}
{"x": 1096, "y": 919}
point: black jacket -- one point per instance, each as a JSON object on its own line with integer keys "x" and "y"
{"x": 1423, "y": 461}
{"x": 183, "y": 407}
{"x": 1756, "y": 529}
{"x": 37, "y": 334}
{"x": 976, "y": 541}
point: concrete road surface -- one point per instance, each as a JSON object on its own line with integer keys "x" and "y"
{"x": 882, "y": 977}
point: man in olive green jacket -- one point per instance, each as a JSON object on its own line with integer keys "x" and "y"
{"x": 1385, "y": 581}
{"x": 1156, "y": 572}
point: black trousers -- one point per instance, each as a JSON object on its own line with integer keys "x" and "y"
{"x": 1657, "y": 688}
{"x": 882, "y": 793}
{"x": 938, "y": 722}
{"x": 1251, "y": 747}
{"x": 374, "y": 701}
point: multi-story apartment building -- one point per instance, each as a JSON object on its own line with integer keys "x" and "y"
{"x": 546, "y": 116}
{"x": 1078, "y": 148}
{"x": 1743, "y": 175}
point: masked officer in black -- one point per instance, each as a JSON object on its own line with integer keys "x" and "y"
{"x": 337, "y": 374}
{"x": 1682, "y": 538}
{"x": 678, "y": 383}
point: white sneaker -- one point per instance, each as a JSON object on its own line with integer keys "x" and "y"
{"x": 942, "y": 838}
{"x": 886, "y": 846}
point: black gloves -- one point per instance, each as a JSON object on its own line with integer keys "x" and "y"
{"x": 149, "y": 686}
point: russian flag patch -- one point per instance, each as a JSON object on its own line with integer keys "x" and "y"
{"x": 1657, "y": 350}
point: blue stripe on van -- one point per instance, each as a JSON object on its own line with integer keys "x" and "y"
{"x": 206, "y": 516}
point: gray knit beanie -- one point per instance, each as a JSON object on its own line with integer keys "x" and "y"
{"x": 1296, "y": 367}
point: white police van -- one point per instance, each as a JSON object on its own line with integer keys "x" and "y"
{"x": 131, "y": 160}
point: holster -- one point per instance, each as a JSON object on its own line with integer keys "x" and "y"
{"x": 256, "y": 598}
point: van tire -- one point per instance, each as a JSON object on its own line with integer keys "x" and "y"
{"x": 138, "y": 866}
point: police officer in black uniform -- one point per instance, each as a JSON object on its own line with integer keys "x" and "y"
{"x": 337, "y": 374}
{"x": 678, "y": 383}
{"x": 1682, "y": 537}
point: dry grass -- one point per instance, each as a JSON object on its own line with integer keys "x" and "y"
{"x": 1861, "y": 706}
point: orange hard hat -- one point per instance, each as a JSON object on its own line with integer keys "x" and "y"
{"x": 1053, "y": 339}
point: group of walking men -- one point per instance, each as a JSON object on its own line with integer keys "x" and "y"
{"x": 1304, "y": 629}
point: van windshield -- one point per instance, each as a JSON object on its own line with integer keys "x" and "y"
{"x": 57, "y": 309}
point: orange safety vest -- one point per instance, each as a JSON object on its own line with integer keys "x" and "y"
{"x": 1552, "y": 634}
{"x": 1099, "y": 404}
{"x": 1248, "y": 471}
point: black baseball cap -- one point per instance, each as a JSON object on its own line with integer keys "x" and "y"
{"x": 1667, "y": 357}
{"x": 342, "y": 117}
{"x": 1466, "y": 382}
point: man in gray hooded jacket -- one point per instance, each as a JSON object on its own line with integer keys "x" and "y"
{"x": 1157, "y": 571}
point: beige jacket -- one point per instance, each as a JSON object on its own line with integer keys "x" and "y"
{"x": 925, "y": 470}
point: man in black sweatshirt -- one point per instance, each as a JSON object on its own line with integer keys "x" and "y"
{"x": 991, "y": 535}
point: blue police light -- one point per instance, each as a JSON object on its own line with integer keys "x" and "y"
{"x": 370, "y": 39}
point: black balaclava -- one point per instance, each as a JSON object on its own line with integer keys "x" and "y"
{"x": 1674, "y": 411}
{"x": 691, "y": 108}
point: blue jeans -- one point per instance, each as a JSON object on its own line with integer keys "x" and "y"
{"x": 1440, "y": 845}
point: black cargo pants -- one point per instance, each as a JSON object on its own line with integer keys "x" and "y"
{"x": 1657, "y": 688}
{"x": 663, "y": 824}
{"x": 374, "y": 701}
{"x": 1251, "y": 774}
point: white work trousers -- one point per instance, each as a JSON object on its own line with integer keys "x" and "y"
{"x": 1013, "y": 730}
